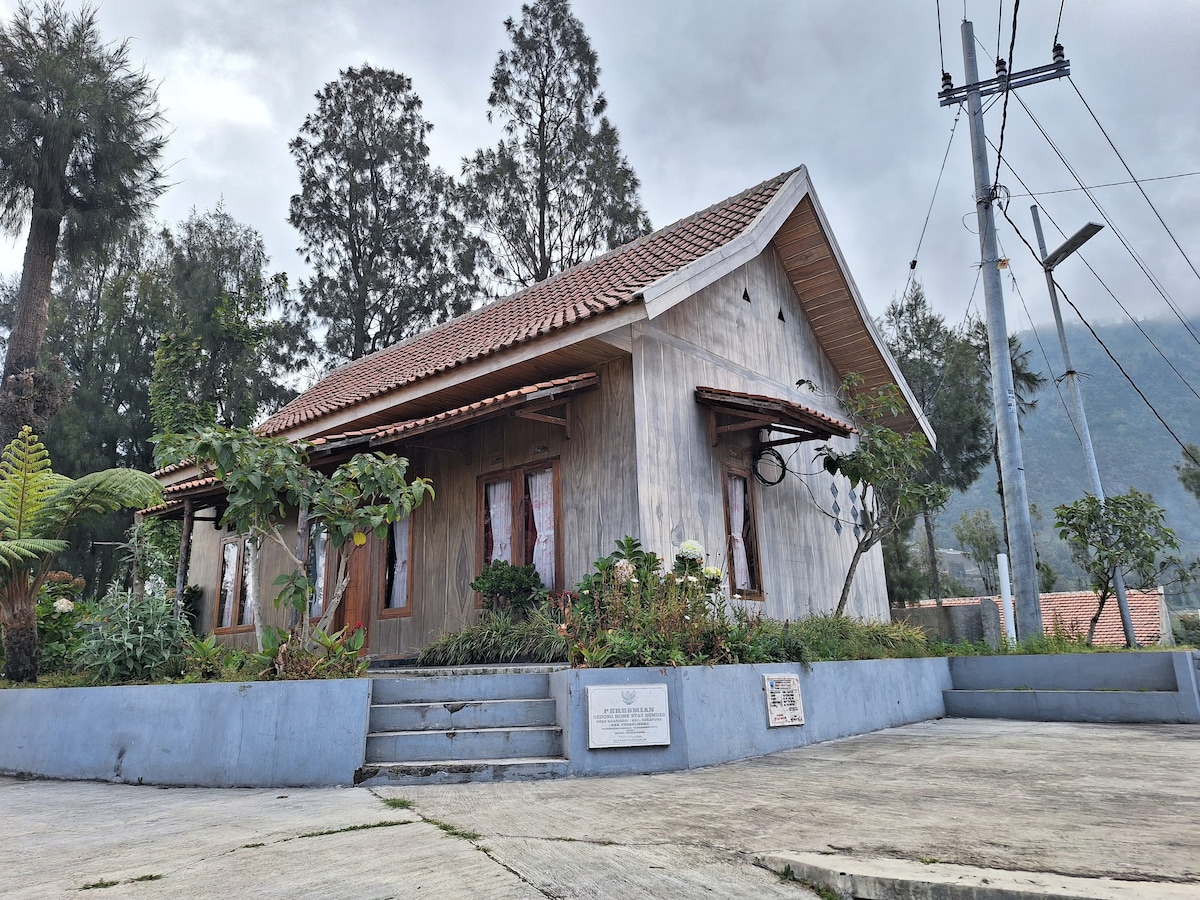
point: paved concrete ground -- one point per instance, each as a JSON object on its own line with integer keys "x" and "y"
{"x": 1098, "y": 802}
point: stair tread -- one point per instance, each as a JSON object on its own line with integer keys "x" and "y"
{"x": 501, "y": 761}
{"x": 416, "y": 704}
{"x": 487, "y": 730}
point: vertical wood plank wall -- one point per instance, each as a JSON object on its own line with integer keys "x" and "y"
{"x": 599, "y": 503}
{"x": 718, "y": 338}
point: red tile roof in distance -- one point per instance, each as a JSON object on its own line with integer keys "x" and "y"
{"x": 587, "y": 290}
{"x": 1071, "y": 611}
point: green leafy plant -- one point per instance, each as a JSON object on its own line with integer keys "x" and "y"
{"x": 134, "y": 638}
{"x": 885, "y": 466}
{"x": 60, "y": 615}
{"x": 37, "y": 510}
{"x": 501, "y": 637}
{"x": 505, "y": 586}
{"x": 286, "y": 656}
{"x": 1187, "y": 629}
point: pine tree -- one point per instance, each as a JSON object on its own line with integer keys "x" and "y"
{"x": 389, "y": 256}
{"x": 556, "y": 189}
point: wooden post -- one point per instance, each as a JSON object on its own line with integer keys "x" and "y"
{"x": 185, "y": 554}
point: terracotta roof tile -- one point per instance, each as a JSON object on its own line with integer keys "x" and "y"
{"x": 386, "y": 433}
{"x": 589, "y": 289}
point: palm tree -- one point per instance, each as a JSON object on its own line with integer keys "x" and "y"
{"x": 79, "y": 143}
{"x": 37, "y": 510}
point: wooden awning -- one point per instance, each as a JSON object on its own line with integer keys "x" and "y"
{"x": 743, "y": 412}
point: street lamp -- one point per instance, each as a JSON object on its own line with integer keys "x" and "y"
{"x": 1049, "y": 261}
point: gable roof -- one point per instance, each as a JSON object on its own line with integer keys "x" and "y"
{"x": 589, "y": 289}
{"x": 646, "y": 276}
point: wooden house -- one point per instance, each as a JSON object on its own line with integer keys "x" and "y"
{"x": 653, "y": 391}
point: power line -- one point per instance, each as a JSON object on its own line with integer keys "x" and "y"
{"x": 1162, "y": 221}
{"x": 1162, "y": 292}
{"x": 1058, "y": 25}
{"x": 912, "y": 266}
{"x": 1012, "y": 43}
{"x": 1107, "y": 184}
{"x": 1096, "y": 275}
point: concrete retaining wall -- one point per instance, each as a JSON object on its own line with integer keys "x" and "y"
{"x": 1077, "y": 687}
{"x": 278, "y": 734}
{"x": 719, "y": 713}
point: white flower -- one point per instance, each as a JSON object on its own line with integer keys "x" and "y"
{"x": 63, "y": 605}
{"x": 623, "y": 570}
{"x": 693, "y": 579}
{"x": 711, "y": 572}
{"x": 691, "y": 550}
{"x": 633, "y": 580}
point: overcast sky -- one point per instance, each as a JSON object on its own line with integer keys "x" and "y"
{"x": 713, "y": 97}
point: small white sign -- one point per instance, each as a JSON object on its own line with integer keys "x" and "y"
{"x": 783, "y": 700}
{"x": 628, "y": 715}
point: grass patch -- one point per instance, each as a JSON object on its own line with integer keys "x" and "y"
{"x": 144, "y": 878}
{"x": 397, "y": 802}
{"x": 102, "y": 883}
{"x": 365, "y": 827}
{"x": 252, "y": 846}
{"x": 455, "y": 831}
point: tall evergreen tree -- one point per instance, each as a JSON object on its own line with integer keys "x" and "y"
{"x": 232, "y": 337}
{"x": 941, "y": 367}
{"x": 389, "y": 256}
{"x": 556, "y": 189}
{"x": 79, "y": 144}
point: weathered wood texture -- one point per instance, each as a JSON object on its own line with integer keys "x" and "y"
{"x": 205, "y": 572}
{"x": 598, "y": 503}
{"x": 720, "y": 339}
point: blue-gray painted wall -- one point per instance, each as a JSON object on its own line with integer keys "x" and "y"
{"x": 277, "y": 734}
{"x": 719, "y": 713}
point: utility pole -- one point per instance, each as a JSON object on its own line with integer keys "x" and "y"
{"x": 1004, "y": 399}
{"x": 1049, "y": 262}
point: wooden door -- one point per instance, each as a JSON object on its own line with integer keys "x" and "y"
{"x": 361, "y": 601}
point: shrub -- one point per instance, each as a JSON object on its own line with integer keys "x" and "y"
{"x": 286, "y": 657}
{"x": 499, "y": 637}
{"x": 504, "y": 585}
{"x": 60, "y": 614}
{"x": 1187, "y": 629}
{"x": 133, "y": 639}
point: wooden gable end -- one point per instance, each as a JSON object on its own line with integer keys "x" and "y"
{"x": 847, "y": 337}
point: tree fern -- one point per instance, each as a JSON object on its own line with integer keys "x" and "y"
{"x": 92, "y": 495}
{"x": 26, "y": 482}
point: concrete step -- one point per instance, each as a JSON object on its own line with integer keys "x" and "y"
{"x": 461, "y": 771}
{"x": 460, "y": 714}
{"x": 448, "y": 686}
{"x": 1068, "y": 706}
{"x": 464, "y": 744}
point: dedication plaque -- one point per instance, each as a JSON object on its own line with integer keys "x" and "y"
{"x": 627, "y": 715}
{"x": 783, "y": 700}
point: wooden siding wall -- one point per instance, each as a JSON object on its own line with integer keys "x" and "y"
{"x": 599, "y": 503}
{"x": 204, "y": 571}
{"x": 720, "y": 339}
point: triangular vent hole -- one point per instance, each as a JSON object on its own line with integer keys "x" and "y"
{"x": 746, "y": 295}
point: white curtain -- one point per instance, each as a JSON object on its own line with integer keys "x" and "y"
{"x": 540, "y": 486}
{"x": 398, "y": 598}
{"x": 499, "y": 503}
{"x": 736, "y": 490}
{"x": 229, "y": 573}
{"x": 318, "y": 547}
{"x": 249, "y": 574}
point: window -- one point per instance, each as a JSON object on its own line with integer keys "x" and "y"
{"x": 742, "y": 529}
{"x": 396, "y": 597}
{"x": 237, "y": 578}
{"x": 519, "y": 519}
{"x": 318, "y": 569}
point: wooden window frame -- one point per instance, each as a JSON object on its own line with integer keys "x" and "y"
{"x": 516, "y": 477}
{"x": 754, "y": 559}
{"x": 330, "y": 573}
{"x": 239, "y": 588}
{"x": 389, "y": 573}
